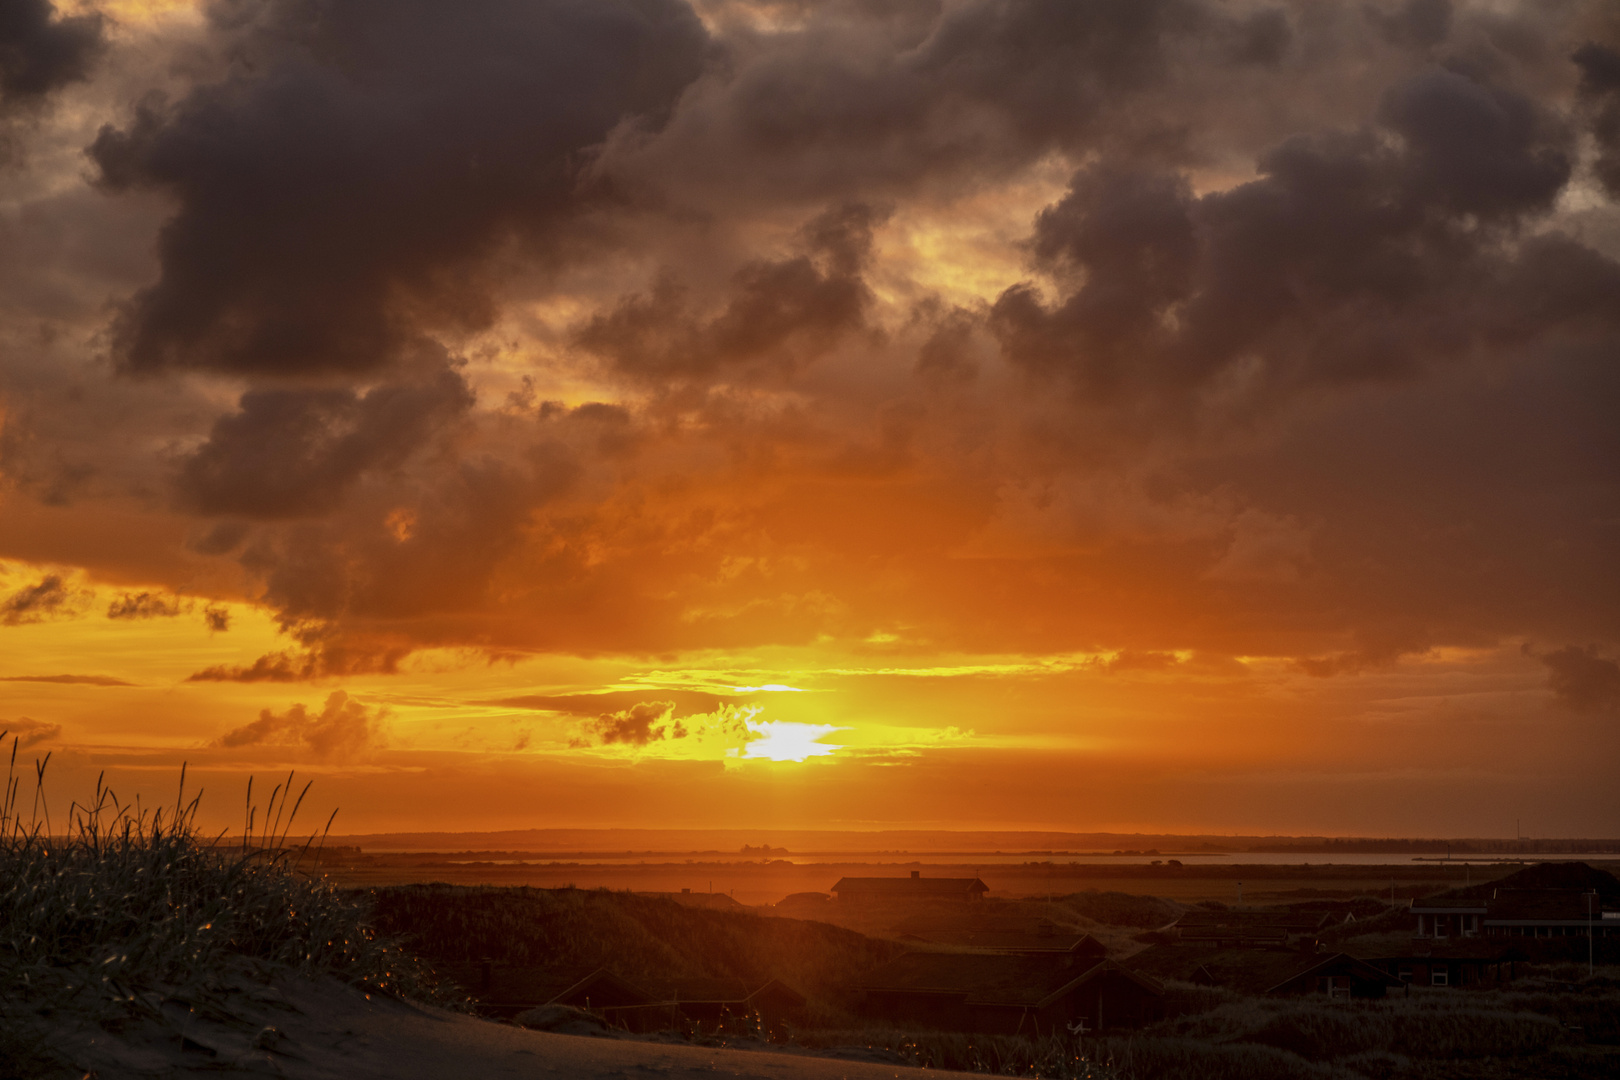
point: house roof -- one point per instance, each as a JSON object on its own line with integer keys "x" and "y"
{"x": 778, "y": 990}
{"x": 1337, "y": 964}
{"x": 1574, "y": 877}
{"x": 1541, "y": 905}
{"x": 910, "y": 886}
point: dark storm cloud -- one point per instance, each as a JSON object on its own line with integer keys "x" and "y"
{"x": 40, "y": 51}
{"x": 413, "y": 563}
{"x": 1600, "y": 91}
{"x": 296, "y": 453}
{"x": 1582, "y": 679}
{"x": 860, "y": 100}
{"x": 782, "y": 311}
{"x": 1354, "y": 253}
{"x": 342, "y": 188}
{"x": 1421, "y": 24}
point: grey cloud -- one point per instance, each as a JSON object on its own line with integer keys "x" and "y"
{"x": 342, "y": 189}
{"x": 681, "y": 702}
{"x": 779, "y": 311}
{"x": 1600, "y": 91}
{"x": 1582, "y": 679}
{"x": 1420, "y": 24}
{"x": 343, "y": 728}
{"x": 319, "y": 660}
{"x": 649, "y": 721}
{"x": 297, "y": 453}
{"x": 1346, "y": 260}
{"x": 27, "y": 731}
{"x": 144, "y": 605}
{"x": 41, "y": 51}
{"x": 71, "y": 680}
{"x": 46, "y": 598}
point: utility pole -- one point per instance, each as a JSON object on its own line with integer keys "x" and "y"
{"x": 1589, "y": 932}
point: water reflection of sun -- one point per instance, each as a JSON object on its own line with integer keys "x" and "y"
{"x": 783, "y": 740}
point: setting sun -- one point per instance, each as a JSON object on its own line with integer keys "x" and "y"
{"x": 782, "y": 740}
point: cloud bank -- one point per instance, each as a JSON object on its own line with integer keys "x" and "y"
{"x": 999, "y": 327}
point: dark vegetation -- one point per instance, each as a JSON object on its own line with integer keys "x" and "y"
{"x": 648, "y": 940}
{"x": 1123, "y": 909}
{"x": 123, "y": 907}
{"x": 119, "y": 909}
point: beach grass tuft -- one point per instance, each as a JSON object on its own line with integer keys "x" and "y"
{"x": 119, "y": 904}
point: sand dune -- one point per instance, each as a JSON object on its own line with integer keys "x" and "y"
{"x": 324, "y": 1030}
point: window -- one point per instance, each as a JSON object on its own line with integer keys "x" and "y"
{"x": 1404, "y": 974}
{"x": 1439, "y": 976}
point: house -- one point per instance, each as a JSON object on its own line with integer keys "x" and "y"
{"x": 1550, "y": 900}
{"x": 1338, "y": 976}
{"x": 1010, "y": 993}
{"x": 868, "y": 890}
{"x": 1250, "y": 928}
{"x": 1548, "y": 913}
{"x": 1452, "y": 963}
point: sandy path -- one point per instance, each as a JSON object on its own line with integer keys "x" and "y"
{"x": 327, "y": 1031}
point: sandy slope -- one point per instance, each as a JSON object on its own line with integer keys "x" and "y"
{"x": 327, "y": 1031}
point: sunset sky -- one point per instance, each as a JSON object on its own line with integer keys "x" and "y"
{"x": 1148, "y": 415}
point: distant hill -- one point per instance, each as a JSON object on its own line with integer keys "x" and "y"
{"x": 753, "y": 843}
{"x": 652, "y": 941}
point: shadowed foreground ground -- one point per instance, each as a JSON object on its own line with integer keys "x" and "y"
{"x": 322, "y": 1030}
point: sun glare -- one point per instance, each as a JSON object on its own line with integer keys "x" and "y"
{"x": 782, "y": 740}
